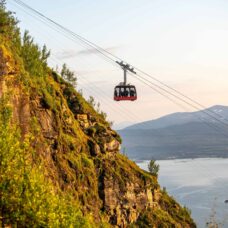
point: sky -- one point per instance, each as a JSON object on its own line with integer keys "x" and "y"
{"x": 183, "y": 43}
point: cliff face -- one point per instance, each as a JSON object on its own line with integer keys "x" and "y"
{"x": 80, "y": 152}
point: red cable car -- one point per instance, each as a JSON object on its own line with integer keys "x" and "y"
{"x": 124, "y": 91}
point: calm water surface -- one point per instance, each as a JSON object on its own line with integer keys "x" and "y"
{"x": 199, "y": 184}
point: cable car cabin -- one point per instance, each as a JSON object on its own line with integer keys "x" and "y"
{"x": 125, "y": 93}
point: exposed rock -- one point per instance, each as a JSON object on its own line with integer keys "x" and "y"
{"x": 83, "y": 120}
{"x": 114, "y": 145}
{"x": 81, "y": 153}
{"x": 7, "y": 63}
{"x": 94, "y": 148}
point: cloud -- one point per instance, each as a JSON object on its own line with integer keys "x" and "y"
{"x": 92, "y": 50}
{"x": 67, "y": 54}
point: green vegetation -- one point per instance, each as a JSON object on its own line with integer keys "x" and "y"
{"x": 50, "y": 175}
{"x": 35, "y": 60}
{"x": 165, "y": 216}
{"x": 27, "y": 197}
{"x": 9, "y": 32}
{"x": 174, "y": 210}
{"x": 68, "y": 75}
{"x": 96, "y": 106}
{"x": 153, "y": 168}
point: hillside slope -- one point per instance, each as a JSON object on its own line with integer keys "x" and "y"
{"x": 74, "y": 145}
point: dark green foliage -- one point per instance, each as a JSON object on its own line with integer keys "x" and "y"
{"x": 91, "y": 101}
{"x": 92, "y": 131}
{"x": 103, "y": 114}
{"x": 118, "y": 138}
{"x": 6, "y": 21}
{"x": 35, "y": 60}
{"x": 153, "y": 168}
{"x": 47, "y": 100}
{"x": 57, "y": 78}
{"x": 9, "y": 32}
{"x": 68, "y": 75}
{"x": 45, "y": 55}
{"x": 100, "y": 129}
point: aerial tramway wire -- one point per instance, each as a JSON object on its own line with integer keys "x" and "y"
{"x": 180, "y": 93}
{"x": 82, "y": 39}
{"x": 111, "y": 56}
{"x": 184, "y": 101}
{"x": 98, "y": 91}
{"x": 214, "y": 127}
{"x": 132, "y": 116}
{"x": 141, "y": 80}
{"x": 107, "y": 56}
{"x": 137, "y": 118}
{"x": 217, "y": 128}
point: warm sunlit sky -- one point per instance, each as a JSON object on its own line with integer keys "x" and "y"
{"x": 183, "y": 43}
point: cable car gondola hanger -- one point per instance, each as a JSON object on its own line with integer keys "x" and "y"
{"x": 124, "y": 91}
{"x": 162, "y": 88}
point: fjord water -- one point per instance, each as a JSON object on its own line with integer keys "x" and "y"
{"x": 199, "y": 184}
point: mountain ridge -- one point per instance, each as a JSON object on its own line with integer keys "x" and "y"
{"x": 183, "y": 117}
{"x": 192, "y": 138}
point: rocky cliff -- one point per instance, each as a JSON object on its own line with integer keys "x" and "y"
{"x": 78, "y": 149}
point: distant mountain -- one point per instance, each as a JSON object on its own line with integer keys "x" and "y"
{"x": 122, "y": 125}
{"x": 179, "y": 135}
{"x": 183, "y": 118}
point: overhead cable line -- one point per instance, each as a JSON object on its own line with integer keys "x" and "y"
{"x": 108, "y": 54}
{"x": 184, "y": 101}
{"x": 132, "y": 115}
{"x": 180, "y": 93}
{"x": 114, "y": 58}
{"x": 212, "y": 126}
{"x": 164, "y": 95}
{"x": 91, "y": 44}
{"x": 217, "y": 128}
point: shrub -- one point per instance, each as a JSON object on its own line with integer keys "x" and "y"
{"x": 153, "y": 168}
{"x": 68, "y": 75}
{"x": 28, "y": 198}
{"x": 35, "y": 59}
{"x": 8, "y": 27}
{"x": 47, "y": 100}
{"x": 91, "y": 131}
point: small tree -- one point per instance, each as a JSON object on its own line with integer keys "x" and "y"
{"x": 91, "y": 101}
{"x": 35, "y": 59}
{"x": 96, "y": 106}
{"x": 68, "y": 75}
{"x": 45, "y": 54}
{"x": 153, "y": 168}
